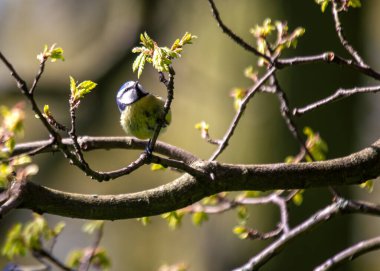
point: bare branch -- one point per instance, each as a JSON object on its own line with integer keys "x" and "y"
{"x": 177, "y": 164}
{"x": 350, "y": 253}
{"x": 21, "y": 84}
{"x": 285, "y": 112}
{"x": 339, "y": 30}
{"x": 338, "y": 95}
{"x": 170, "y": 96}
{"x": 238, "y": 40}
{"x": 328, "y": 57}
{"x": 339, "y": 207}
{"x": 224, "y": 143}
{"x": 40, "y": 254}
{"x": 90, "y": 252}
{"x": 38, "y": 76}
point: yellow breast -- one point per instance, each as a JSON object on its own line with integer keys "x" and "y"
{"x": 140, "y": 118}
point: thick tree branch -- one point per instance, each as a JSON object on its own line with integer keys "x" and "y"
{"x": 185, "y": 190}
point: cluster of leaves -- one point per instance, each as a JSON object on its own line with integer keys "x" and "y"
{"x": 345, "y": 4}
{"x": 35, "y": 235}
{"x": 29, "y": 237}
{"x": 283, "y": 39}
{"x": 77, "y": 93}
{"x": 262, "y": 34}
{"x": 11, "y": 126}
{"x": 316, "y": 146}
{"x": 79, "y": 90}
{"x": 159, "y": 57}
{"x": 52, "y": 52}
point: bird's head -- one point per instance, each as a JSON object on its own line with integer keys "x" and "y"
{"x": 129, "y": 93}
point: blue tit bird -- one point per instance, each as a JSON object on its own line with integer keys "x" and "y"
{"x": 140, "y": 110}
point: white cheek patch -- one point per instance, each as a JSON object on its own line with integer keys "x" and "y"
{"x": 125, "y": 98}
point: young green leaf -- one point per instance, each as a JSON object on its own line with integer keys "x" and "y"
{"x": 10, "y": 144}
{"x": 174, "y": 219}
{"x": 5, "y": 172}
{"x": 139, "y": 64}
{"x": 145, "y": 221}
{"x": 238, "y": 94}
{"x": 93, "y": 226}
{"x": 323, "y": 4}
{"x": 14, "y": 243}
{"x": 79, "y": 90}
{"x": 298, "y": 197}
{"x": 368, "y": 185}
{"x": 100, "y": 260}
{"x": 203, "y": 127}
{"x": 198, "y": 218}
{"x": 13, "y": 118}
{"x": 354, "y": 3}
{"x": 74, "y": 258}
{"x": 243, "y": 214}
{"x": 160, "y": 57}
{"x": 47, "y": 110}
{"x": 155, "y": 167}
{"x": 241, "y": 231}
{"x": 54, "y": 53}
{"x": 85, "y": 87}
{"x": 315, "y": 144}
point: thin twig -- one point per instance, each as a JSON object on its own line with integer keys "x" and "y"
{"x": 86, "y": 261}
{"x": 238, "y": 40}
{"x": 239, "y": 114}
{"x": 46, "y": 146}
{"x": 38, "y": 76}
{"x": 350, "y": 253}
{"x": 177, "y": 164}
{"x": 170, "y": 95}
{"x": 338, "y": 95}
{"x": 286, "y": 114}
{"x": 21, "y": 84}
{"x": 73, "y": 135}
{"x": 342, "y": 38}
{"x": 327, "y": 57}
{"x": 226, "y": 204}
{"x": 339, "y": 207}
{"x": 45, "y": 254}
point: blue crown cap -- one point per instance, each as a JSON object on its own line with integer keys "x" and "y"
{"x": 129, "y": 93}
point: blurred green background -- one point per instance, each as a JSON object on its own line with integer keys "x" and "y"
{"x": 97, "y": 36}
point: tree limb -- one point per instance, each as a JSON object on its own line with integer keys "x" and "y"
{"x": 186, "y": 189}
